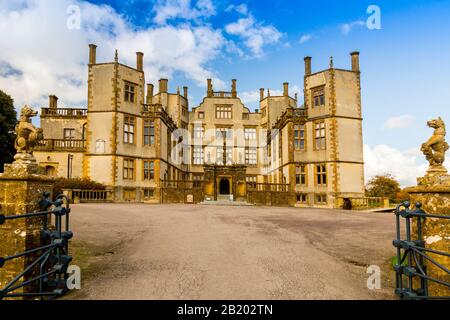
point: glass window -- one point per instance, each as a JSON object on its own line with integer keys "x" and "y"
{"x": 299, "y": 137}
{"x": 128, "y": 169}
{"x": 149, "y": 132}
{"x": 251, "y": 156}
{"x": 198, "y": 157}
{"x": 300, "y": 175}
{"x": 130, "y": 92}
{"x": 128, "y": 130}
{"x": 224, "y": 112}
{"x": 250, "y": 133}
{"x": 320, "y": 137}
{"x": 321, "y": 174}
{"x": 149, "y": 170}
{"x": 318, "y": 97}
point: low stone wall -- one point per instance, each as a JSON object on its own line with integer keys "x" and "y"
{"x": 177, "y": 195}
{"x": 271, "y": 198}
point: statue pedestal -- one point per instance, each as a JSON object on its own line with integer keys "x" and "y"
{"x": 433, "y": 191}
{"x": 21, "y": 188}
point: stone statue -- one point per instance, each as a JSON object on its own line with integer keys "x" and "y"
{"x": 434, "y": 149}
{"x": 28, "y": 136}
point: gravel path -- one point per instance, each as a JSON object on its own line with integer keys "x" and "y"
{"x": 205, "y": 252}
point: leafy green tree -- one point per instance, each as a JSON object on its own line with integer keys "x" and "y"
{"x": 383, "y": 186}
{"x": 8, "y": 121}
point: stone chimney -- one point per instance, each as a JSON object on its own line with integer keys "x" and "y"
{"x": 139, "y": 61}
{"x": 209, "y": 90}
{"x": 355, "y": 61}
{"x": 233, "y": 88}
{"x": 150, "y": 89}
{"x": 307, "y": 66}
{"x": 163, "y": 85}
{"x": 185, "y": 89}
{"x": 92, "y": 54}
{"x": 286, "y": 89}
{"x": 53, "y": 102}
{"x": 261, "y": 94}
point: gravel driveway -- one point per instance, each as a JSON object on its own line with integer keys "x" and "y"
{"x": 129, "y": 251}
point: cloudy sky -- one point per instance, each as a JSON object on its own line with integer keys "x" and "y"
{"x": 405, "y": 64}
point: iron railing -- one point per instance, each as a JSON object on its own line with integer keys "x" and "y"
{"x": 412, "y": 278}
{"x": 46, "y": 275}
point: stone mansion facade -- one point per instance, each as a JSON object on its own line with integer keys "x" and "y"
{"x": 147, "y": 145}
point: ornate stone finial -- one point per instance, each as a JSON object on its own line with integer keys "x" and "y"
{"x": 434, "y": 149}
{"x": 116, "y": 56}
{"x": 28, "y": 136}
{"x": 331, "y": 62}
{"x": 268, "y": 92}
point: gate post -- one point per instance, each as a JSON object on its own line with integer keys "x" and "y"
{"x": 22, "y": 186}
{"x": 21, "y": 189}
{"x": 433, "y": 191}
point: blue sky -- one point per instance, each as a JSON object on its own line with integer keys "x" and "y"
{"x": 405, "y": 65}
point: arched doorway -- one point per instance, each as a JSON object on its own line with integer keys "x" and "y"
{"x": 50, "y": 171}
{"x": 224, "y": 186}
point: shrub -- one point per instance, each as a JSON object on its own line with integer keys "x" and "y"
{"x": 77, "y": 183}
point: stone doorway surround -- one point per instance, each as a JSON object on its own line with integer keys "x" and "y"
{"x": 235, "y": 174}
{"x": 224, "y": 186}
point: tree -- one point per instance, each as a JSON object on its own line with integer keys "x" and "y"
{"x": 383, "y": 186}
{"x": 8, "y": 121}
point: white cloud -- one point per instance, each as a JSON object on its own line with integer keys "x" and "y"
{"x": 305, "y": 38}
{"x": 346, "y": 28}
{"x": 400, "y": 122}
{"x": 406, "y": 166}
{"x": 172, "y": 9}
{"x": 241, "y": 9}
{"x": 39, "y": 55}
{"x": 255, "y": 35}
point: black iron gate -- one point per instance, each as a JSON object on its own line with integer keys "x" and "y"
{"x": 46, "y": 276}
{"x": 412, "y": 279}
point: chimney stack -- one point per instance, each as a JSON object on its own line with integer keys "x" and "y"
{"x": 53, "y": 102}
{"x": 286, "y": 89}
{"x": 355, "y": 61}
{"x": 92, "y": 54}
{"x": 163, "y": 85}
{"x": 185, "y": 89}
{"x": 209, "y": 88}
{"x": 139, "y": 61}
{"x": 261, "y": 94}
{"x": 307, "y": 66}
{"x": 150, "y": 88}
{"x": 233, "y": 88}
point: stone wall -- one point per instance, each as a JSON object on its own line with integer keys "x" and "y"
{"x": 271, "y": 198}
{"x": 181, "y": 195}
{"x": 435, "y": 199}
{"x": 21, "y": 188}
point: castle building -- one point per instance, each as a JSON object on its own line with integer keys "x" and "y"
{"x": 148, "y": 146}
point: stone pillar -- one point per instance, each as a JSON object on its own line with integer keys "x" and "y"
{"x": 92, "y": 54}
{"x": 433, "y": 191}
{"x": 140, "y": 61}
{"x": 209, "y": 88}
{"x": 234, "y": 88}
{"x": 355, "y": 61}
{"x": 286, "y": 89}
{"x": 22, "y": 186}
{"x": 307, "y": 66}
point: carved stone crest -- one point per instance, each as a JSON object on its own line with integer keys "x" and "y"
{"x": 28, "y": 136}
{"x": 436, "y": 147}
